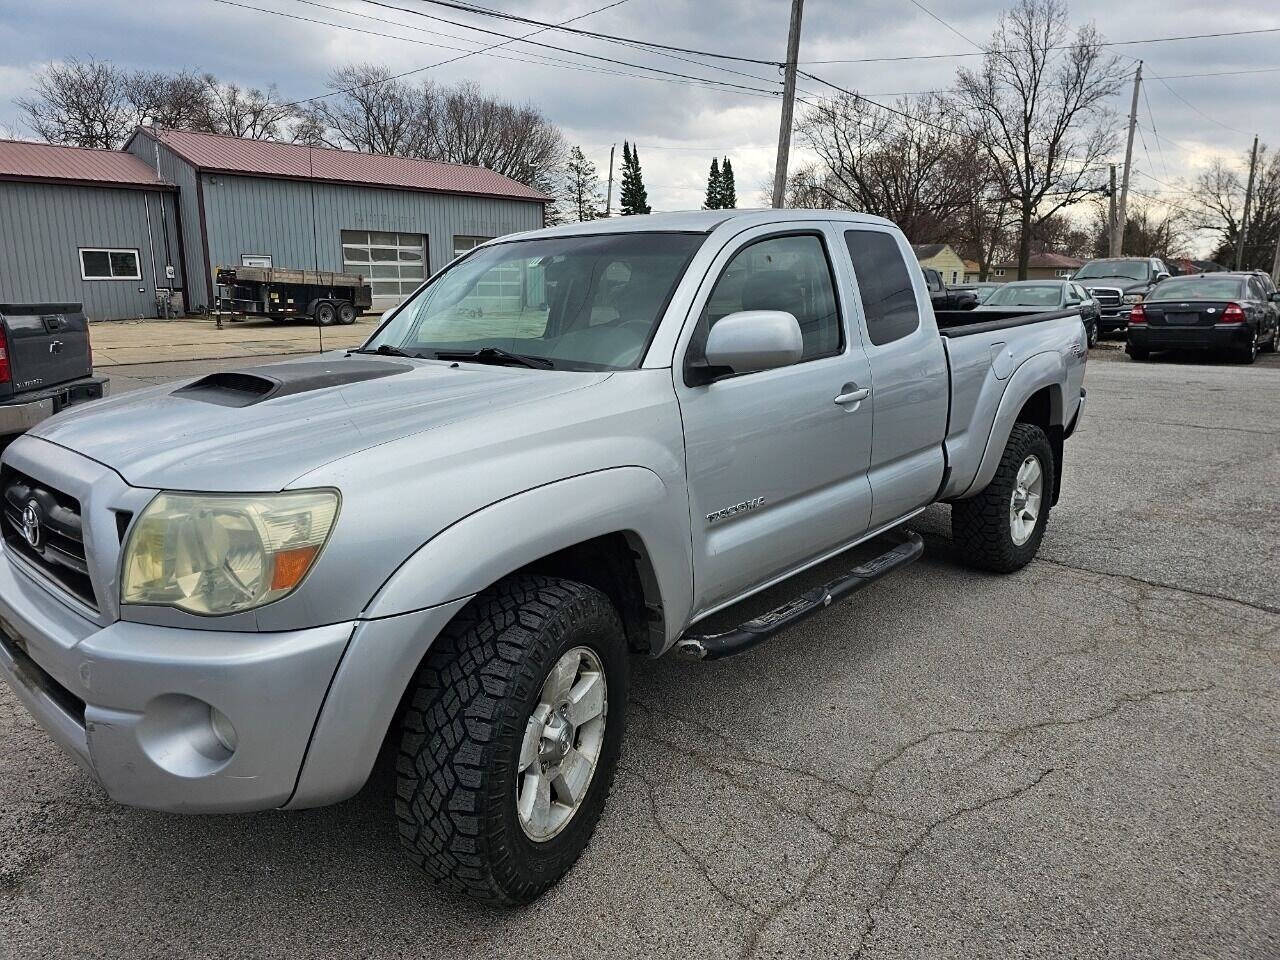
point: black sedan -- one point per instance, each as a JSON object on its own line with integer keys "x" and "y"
{"x": 1039, "y": 296}
{"x": 1230, "y": 312}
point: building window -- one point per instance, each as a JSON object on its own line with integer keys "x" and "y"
{"x": 395, "y": 264}
{"x": 997, "y": 273}
{"x": 462, "y": 244}
{"x": 1064, "y": 273}
{"x": 104, "y": 264}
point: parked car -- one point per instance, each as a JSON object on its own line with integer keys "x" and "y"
{"x": 46, "y": 364}
{"x": 1035, "y": 296}
{"x": 981, "y": 290}
{"x": 947, "y": 298}
{"x": 1118, "y": 283}
{"x": 1231, "y": 312}
{"x": 452, "y": 539}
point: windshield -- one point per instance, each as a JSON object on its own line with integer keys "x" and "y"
{"x": 1032, "y": 295}
{"x": 1114, "y": 269}
{"x": 1199, "y": 288}
{"x": 585, "y": 303}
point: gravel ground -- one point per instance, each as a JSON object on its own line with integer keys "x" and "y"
{"x": 1077, "y": 760}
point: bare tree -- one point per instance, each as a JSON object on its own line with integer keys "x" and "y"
{"x": 376, "y": 113}
{"x": 909, "y": 163}
{"x": 245, "y": 112}
{"x": 81, "y": 103}
{"x": 1039, "y": 113}
{"x": 517, "y": 141}
{"x": 177, "y": 101}
{"x": 1216, "y": 203}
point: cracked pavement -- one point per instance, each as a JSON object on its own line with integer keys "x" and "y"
{"x": 1076, "y": 760}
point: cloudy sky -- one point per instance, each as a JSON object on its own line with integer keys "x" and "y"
{"x": 679, "y": 126}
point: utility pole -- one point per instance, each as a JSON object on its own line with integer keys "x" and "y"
{"x": 608, "y": 197}
{"x": 788, "y": 105}
{"x": 1275, "y": 264}
{"x": 1122, "y": 212}
{"x": 1113, "y": 246}
{"x": 1248, "y": 202}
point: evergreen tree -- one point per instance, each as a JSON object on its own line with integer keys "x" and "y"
{"x": 714, "y": 188}
{"x": 635, "y": 199}
{"x": 728, "y": 198}
{"x": 581, "y": 187}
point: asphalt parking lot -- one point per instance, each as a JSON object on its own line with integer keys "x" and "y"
{"x": 1077, "y": 760}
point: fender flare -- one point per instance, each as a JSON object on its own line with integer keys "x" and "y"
{"x": 1038, "y": 371}
{"x": 484, "y": 546}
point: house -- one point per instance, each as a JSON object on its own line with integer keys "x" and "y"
{"x": 124, "y": 230}
{"x": 972, "y": 272}
{"x": 1040, "y": 266}
{"x": 941, "y": 257}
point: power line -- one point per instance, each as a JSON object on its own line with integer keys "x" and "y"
{"x": 1224, "y": 126}
{"x": 1151, "y": 116}
{"x": 1063, "y": 46}
{"x": 486, "y": 11}
{"x": 1220, "y": 73}
{"x": 948, "y": 26}
{"x": 550, "y": 46}
{"x": 668, "y": 75}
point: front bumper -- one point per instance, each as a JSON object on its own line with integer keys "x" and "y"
{"x": 131, "y": 703}
{"x": 1220, "y": 336}
{"x": 1114, "y": 318}
{"x": 20, "y": 413}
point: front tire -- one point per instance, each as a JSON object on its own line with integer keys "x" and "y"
{"x": 1001, "y": 528}
{"x": 326, "y": 314}
{"x": 511, "y": 738}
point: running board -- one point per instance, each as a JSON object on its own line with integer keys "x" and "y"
{"x": 698, "y": 646}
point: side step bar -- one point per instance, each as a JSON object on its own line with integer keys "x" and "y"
{"x": 697, "y": 646}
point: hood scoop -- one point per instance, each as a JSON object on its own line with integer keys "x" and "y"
{"x": 244, "y": 388}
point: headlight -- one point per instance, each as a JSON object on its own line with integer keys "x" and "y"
{"x": 1133, "y": 298}
{"x": 220, "y": 553}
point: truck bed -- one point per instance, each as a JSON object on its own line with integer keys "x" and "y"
{"x": 964, "y": 323}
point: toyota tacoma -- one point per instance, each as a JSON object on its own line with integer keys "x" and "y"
{"x": 568, "y": 447}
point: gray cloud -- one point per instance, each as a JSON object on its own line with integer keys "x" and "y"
{"x": 596, "y": 109}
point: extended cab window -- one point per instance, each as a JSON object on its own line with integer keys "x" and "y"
{"x": 888, "y": 299}
{"x": 789, "y": 273}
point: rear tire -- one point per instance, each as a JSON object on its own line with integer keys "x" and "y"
{"x": 326, "y": 314}
{"x": 1001, "y": 528}
{"x": 1137, "y": 353}
{"x": 477, "y": 736}
{"x": 1091, "y": 332}
{"x": 1249, "y": 352}
{"x": 346, "y": 313}
{"x": 1271, "y": 345}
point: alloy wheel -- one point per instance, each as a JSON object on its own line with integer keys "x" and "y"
{"x": 1025, "y": 501}
{"x": 562, "y": 742}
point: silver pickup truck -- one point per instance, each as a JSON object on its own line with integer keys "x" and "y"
{"x": 569, "y": 446}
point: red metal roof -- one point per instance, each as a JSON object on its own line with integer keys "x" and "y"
{"x": 262, "y": 158}
{"x": 20, "y": 160}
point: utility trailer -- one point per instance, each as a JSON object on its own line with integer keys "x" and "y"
{"x": 281, "y": 293}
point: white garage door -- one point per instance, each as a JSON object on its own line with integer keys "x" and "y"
{"x": 394, "y": 263}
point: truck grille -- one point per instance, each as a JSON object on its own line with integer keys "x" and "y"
{"x": 1106, "y": 296}
{"x": 58, "y": 547}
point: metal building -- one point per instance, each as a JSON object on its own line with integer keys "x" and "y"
{"x": 391, "y": 219}
{"x": 127, "y": 232}
{"x": 96, "y": 227}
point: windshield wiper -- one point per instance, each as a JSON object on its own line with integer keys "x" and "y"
{"x": 387, "y": 350}
{"x": 496, "y": 356}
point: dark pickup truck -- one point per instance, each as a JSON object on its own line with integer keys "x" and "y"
{"x": 944, "y": 298}
{"x": 46, "y": 363}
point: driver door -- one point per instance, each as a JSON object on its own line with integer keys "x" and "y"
{"x": 776, "y": 460}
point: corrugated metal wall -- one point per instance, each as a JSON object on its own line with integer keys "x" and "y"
{"x": 249, "y": 215}
{"x": 45, "y": 225}
{"x": 180, "y": 173}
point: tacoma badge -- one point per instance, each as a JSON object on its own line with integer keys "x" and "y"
{"x": 734, "y": 510}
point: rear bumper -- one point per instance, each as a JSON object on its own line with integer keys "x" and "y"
{"x": 22, "y": 412}
{"x": 1221, "y": 336}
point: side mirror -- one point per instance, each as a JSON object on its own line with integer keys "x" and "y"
{"x": 1161, "y": 276}
{"x": 1275, "y": 297}
{"x": 753, "y": 340}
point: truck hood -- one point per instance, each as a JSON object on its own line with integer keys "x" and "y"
{"x": 259, "y": 428}
{"x": 1124, "y": 284}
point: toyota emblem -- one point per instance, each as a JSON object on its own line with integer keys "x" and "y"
{"x": 31, "y": 524}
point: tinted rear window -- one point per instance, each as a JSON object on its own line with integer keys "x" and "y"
{"x": 888, "y": 299}
{"x": 1197, "y": 288}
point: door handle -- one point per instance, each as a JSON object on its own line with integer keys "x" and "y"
{"x": 853, "y": 396}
